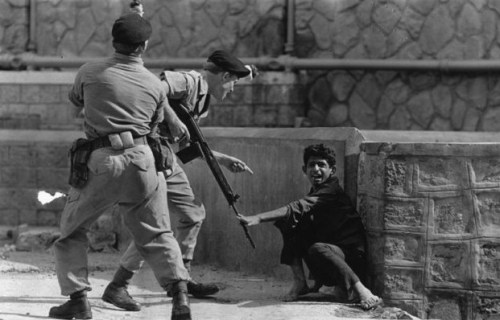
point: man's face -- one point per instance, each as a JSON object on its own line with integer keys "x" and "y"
{"x": 224, "y": 85}
{"x": 317, "y": 170}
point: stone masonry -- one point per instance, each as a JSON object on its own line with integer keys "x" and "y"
{"x": 401, "y": 29}
{"x": 39, "y": 101}
{"x": 340, "y": 29}
{"x": 432, "y": 215}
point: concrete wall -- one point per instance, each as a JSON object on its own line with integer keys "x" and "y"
{"x": 34, "y": 160}
{"x": 275, "y": 155}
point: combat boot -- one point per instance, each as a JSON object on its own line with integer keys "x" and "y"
{"x": 78, "y": 307}
{"x": 197, "y": 289}
{"x": 116, "y": 292}
{"x": 201, "y": 289}
{"x": 180, "y": 302}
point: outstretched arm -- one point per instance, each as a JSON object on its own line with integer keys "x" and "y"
{"x": 231, "y": 163}
{"x": 267, "y": 216}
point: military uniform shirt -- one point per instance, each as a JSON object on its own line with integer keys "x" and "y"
{"x": 118, "y": 94}
{"x": 190, "y": 87}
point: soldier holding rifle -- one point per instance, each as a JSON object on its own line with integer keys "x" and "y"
{"x": 192, "y": 90}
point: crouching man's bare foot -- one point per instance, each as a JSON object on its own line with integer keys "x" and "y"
{"x": 367, "y": 299}
{"x": 298, "y": 288}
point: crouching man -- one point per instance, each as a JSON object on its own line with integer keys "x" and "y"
{"x": 325, "y": 231}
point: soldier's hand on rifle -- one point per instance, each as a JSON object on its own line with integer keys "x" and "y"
{"x": 178, "y": 130}
{"x": 231, "y": 163}
{"x": 249, "y": 220}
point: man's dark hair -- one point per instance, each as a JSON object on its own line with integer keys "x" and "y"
{"x": 319, "y": 150}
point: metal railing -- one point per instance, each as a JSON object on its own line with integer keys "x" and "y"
{"x": 285, "y": 62}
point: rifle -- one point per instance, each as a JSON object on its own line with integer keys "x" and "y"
{"x": 199, "y": 148}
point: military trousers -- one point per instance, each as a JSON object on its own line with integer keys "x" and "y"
{"x": 126, "y": 178}
{"x": 189, "y": 212}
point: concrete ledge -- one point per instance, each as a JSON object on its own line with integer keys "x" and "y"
{"x": 461, "y": 149}
{"x": 36, "y": 77}
{"x": 39, "y": 135}
{"x": 429, "y": 136}
{"x": 351, "y": 136}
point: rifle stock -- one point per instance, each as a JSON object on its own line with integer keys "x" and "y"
{"x": 199, "y": 147}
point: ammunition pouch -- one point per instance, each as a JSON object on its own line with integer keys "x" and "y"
{"x": 162, "y": 152}
{"x": 193, "y": 151}
{"x": 79, "y": 156}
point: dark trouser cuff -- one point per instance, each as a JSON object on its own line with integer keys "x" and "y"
{"x": 122, "y": 277}
{"x": 187, "y": 264}
{"x": 78, "y": 294}
{"x": 179, "y": 286}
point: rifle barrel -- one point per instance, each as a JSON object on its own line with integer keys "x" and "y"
{"x": 197, "y": 137}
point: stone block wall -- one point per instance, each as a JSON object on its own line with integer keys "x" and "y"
{"x": 273, "y": 99}
{"x": 39, "y": 101}
{"x": 432, "y": 216}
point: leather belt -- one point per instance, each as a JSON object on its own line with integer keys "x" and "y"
{"x": 103, "y": 142}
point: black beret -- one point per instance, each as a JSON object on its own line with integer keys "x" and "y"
{"x": 131, "y": 29}
{"x": 229, "y": 63}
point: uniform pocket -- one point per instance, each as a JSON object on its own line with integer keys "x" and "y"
{"x": 142, "y": 178}
{"x": 143, "y": 164}
{"x": 100, "y": 163}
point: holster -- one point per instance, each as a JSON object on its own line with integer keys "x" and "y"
{"x": 79, "y": 156}
{"x": 162, "y": 152}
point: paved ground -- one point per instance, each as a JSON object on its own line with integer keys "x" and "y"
{"x": 28, "y": 288}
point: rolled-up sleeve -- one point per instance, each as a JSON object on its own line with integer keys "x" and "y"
{"x": 177, "y": 84}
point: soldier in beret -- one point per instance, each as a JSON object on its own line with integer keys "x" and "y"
{"x": 121, "y": 101}
{"x": 194, "y": 90}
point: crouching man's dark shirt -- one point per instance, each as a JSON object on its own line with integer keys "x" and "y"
{"x": 325, "y": 215}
